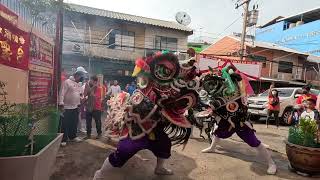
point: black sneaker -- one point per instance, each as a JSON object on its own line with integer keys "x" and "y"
{"x": 98, "y": 136}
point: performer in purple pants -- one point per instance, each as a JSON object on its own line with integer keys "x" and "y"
{"x": 227, "y": 98}
{"x": 160, "y": 147}
{"x": 153, "y": 117}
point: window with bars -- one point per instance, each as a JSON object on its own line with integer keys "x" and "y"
{"x": 123, "y": 40}
{"x": 166, "y": 43}
{"x": 285, "y": 67}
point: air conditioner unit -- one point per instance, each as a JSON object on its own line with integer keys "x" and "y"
{"x": 280, "y": 76}
{"x": 77, "y": 48}
{"x": 297, "y": 76}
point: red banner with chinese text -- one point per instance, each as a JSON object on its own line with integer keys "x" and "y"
{"x": 14, "y": 45}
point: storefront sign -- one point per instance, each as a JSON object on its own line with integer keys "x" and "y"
{"x": 37, "y": 68}
{"x": 307, "y": 35}
{"x": 8, "y": 15}
{"x": 41, "y": 52}
{"x": 40, "y": 85}
{"x": 14, "y": 45}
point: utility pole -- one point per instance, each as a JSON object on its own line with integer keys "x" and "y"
{"x": 245, "y": 5}
{"x": 58, "y": 47}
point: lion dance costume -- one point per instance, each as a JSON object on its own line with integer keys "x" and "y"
{"x": 153, "y": 117}
{"x": 226, "y": 93}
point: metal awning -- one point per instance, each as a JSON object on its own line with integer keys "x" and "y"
{"x": 283, "y": 81}
{"x": 307, "y": 16}
{"x": 314, "y": 59}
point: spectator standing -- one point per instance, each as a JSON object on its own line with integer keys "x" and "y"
{"x": 127, "y": 87}
{"x": 114, "y": 89}
{"x": 273, "y": 105}
{"x": 104, "y": 95}
{"x": 69, "y": 101}
{"x": 310, "y": 110}
{"x": 93, "y": 93}
{"x": 132, "y": 87}
{"x": 82, "y": 116}
{"x": 318, "y": 103}
{"x": 305, "y": 95}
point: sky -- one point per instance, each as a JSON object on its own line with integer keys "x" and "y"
{"x": 210, "y": 19}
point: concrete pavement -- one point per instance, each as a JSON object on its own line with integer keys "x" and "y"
{"x": 233, "y": 160}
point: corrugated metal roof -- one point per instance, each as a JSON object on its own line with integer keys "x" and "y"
{"x": 128, "y": 17}
{"x": 312, "y": 12}
{"x": 312, "y": 58}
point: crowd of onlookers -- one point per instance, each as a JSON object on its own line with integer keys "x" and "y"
{"x": 307, "y": 105}
{"x": 83, "y": 99}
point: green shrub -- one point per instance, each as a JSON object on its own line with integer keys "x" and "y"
{"x": 304, "y": 134}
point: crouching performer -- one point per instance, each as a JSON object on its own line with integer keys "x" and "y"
{"x": 152, "y": 118}
{"x": 227, "y": 93}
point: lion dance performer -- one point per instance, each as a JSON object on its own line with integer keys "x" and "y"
{"x": 152, "y": 118}
{"x": 227, "y": 91}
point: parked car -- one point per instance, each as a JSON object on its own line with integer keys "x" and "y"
{"x": 257, "y": 105}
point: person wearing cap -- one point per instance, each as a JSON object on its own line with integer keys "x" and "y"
{"x": 69, "y": 102}
{"x": 305, "y": 95}
{"x": 273, "y": 105}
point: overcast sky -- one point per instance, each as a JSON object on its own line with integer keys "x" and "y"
{"x": 210, "y": 18}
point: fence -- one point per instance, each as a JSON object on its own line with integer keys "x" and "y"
{"x": 24, "y": 13}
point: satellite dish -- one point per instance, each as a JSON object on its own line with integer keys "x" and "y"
{"x": 183, "y": 18}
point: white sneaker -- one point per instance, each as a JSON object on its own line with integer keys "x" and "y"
{"x": 83, "y": 131}
{"x": 208, "y": 150}
{"x": 163, "y": 171}
{"x": 77, "y": 139}
{"x": 97, "y": 176}
{"x": 272, "y": 169}
{"x": 63, "y": 144}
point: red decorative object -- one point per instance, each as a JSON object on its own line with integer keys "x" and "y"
{"x": 14, "y": 45}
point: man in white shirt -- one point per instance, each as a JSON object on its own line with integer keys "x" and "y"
{"x": 69, "y": 101}
{"x": 114, "y": 89}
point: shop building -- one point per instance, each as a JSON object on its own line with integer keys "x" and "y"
{"x": 108, "y": 43}
{"x": 277, "y": 63}
{"x": 300, "y": 32}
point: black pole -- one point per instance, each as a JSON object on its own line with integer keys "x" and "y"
{"x": 58, "y": 49}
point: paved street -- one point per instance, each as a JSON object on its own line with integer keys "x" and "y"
{"x": 233, "y": 160}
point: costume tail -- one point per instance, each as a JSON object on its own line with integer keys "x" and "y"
{"x": 178, "y": 135}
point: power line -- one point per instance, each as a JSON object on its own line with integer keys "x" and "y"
{"x": 125, "y": 46}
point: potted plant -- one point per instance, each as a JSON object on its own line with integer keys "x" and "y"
{"x": 29, "y": 141}
{"x": 303, "y": 147}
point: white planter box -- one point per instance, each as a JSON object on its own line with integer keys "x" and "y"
{"x": 35, "y": 167}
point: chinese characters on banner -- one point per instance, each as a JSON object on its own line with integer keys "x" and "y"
{"x": 39, "y": 88}
{"x": 41, "y": 52}
{"x": 41, "y": 72}
{"x": 14, "y": 45}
